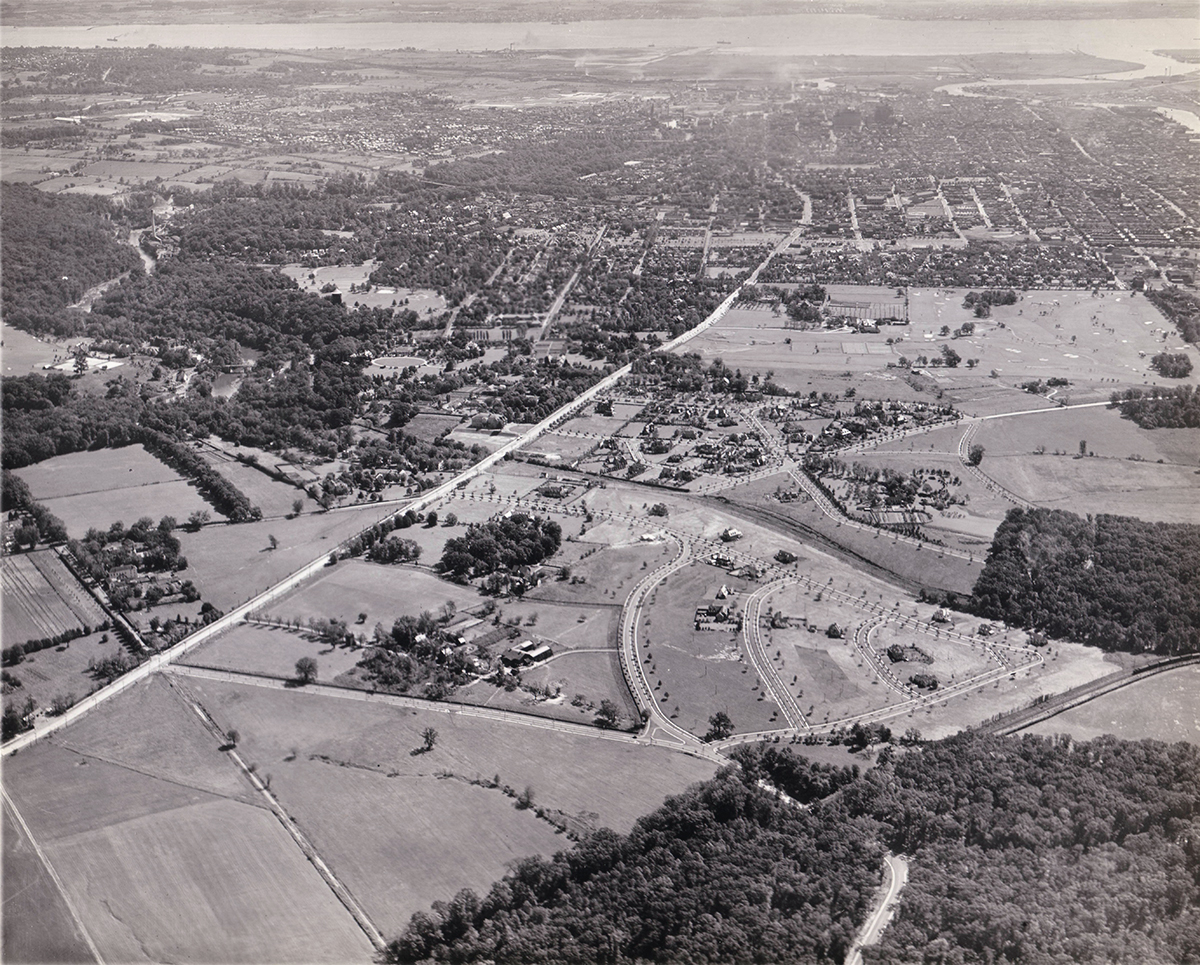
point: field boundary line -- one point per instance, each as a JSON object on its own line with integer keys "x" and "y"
{"x": 269, "y": 682}
{"x": 340, "y": 891}
{"x": 53, "y": 877}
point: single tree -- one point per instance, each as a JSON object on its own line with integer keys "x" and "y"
{"x": 297, "y": 506}
{"x": 608, "y": 715}
{"x": 233, "y": 737}
{"x": 975, "y": 455}
{"x": 306, "y": 670}
{"x": 719, "y": 727}
{"x": 273, "y": 541}
{"x": 429, "y": 736}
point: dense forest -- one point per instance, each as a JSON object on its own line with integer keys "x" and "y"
{"x": 1021, "y": 849}
{"x": 52, "y": 250}
{"x": 1159, "y": 408}
{"x": 1112, "y": 581}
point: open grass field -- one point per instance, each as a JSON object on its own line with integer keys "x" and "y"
{"x": 609, "y": 573}
{"x": 99, "y": 488}
{"x": 33, "y": 608}
{"x": 273, "y": 497}
{"x": 25, "y": 353}
{"x": 1163, "y": 707}
{"x": 163, "y": 846}
{"x": 1106, "y": 433}
{"x": 273, "y": 651}
{"x": 565, "y": 626}
{"x": 400, "y": 841}
{"x": 229, "y": 564}
{"x": 429, "y": 425}
{"x": 383, "y": 592}
{"x": 37, "y": 924}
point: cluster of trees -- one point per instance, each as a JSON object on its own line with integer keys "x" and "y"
{"x": 802, "y": 780}
{"x": 1159, "y": 408}
{"x": 40, "y": 523}
{"x": 1172, "y": 365}
{"x": 1021, "y": 849}
{"x": 15, "y": 654}
{"x": 1180, "y": 307}
{"x": 54, "y": 248}
{"x": 500, "y": 545}
{"x": 395, "y": 549}
{"x": 414, "y": 652}
{"x": 981, "y": 302}
{"x": 1112, "y": 581}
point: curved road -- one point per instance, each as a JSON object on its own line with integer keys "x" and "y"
{"x": 895, "y": 871}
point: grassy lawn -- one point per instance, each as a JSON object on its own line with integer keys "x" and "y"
{"x": 273, "y": 497}
{"x": 273, "y": 651}
{"x": 700, "y": 672}
{"x": 383, "y": 592}
{"x": 229, "y": 564}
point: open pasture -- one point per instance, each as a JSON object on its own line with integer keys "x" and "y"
{"x": 251, "y": 648}
{"x": 383, "y": 592}
{"x": 1163, "y": 707}
{"x": 429, "y": 425}
{"x": 609, "y": 574}
{"x": 429, "y": 837}
{"x": 951, "y": 661}
{"x": 1106, "y": 433}
{"x": 1143, "y": 489}
{"x": 230, "y": 564}
{"x": 99, "y": 488}
{"x": 565, "y": 626}
{"x": 273, "y": 497}
{"x": 213, "y": 881}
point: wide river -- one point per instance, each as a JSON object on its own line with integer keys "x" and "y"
{"x": 804, "y": 34}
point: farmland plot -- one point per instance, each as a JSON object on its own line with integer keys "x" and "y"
{"x": 430, "y": 836}
{"x": 99, "y": 488}
{"x": 33, "y": 608}
{"x": 165, "y": 848}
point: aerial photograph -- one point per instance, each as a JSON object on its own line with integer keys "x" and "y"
{"x": 562, "y": 482}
